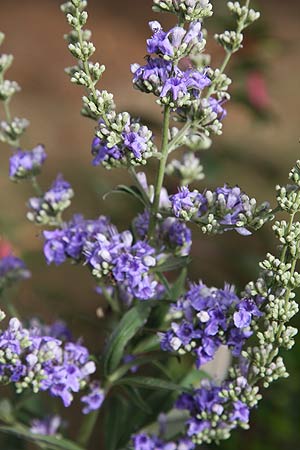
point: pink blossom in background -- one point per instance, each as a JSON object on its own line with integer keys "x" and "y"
{"x": 257, "y": 91}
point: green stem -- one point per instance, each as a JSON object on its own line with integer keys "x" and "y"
{"x": 110, "y": 300}
{"x": 240, "y": 28}
{"x": 6, "y": 107}
{"x": 179, "y": 135}
{"x": 87, "y": 428}
{"x": 161, "y": 170}
{"x": 9, "y": 305}
{"x": 85, "y": 63}
{"x": 7, "y": 111}
{"x": 36, "y": 186}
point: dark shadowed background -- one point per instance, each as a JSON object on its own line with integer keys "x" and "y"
{"x": 256, "y": 151}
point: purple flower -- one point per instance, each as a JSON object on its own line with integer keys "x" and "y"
{"x": 69, "y": 241}
{"x": 217, "y": 107}
{"x": 191, "y": 81}
{"x": 24, "y": 164}
{"x": 143, "y": 441}
{"x": 246, "y": 310}
{"x": 136, "y": 143}
{"x": 177, "y": 235}
{"x": 94, "y": 399}
{"x": 152, "y": 76}
{"x": 241, "y": 412}
{"x": 47, "y": 427}
{"x": 186, "y": 203}
{"x": 54, "y": 248}
{"x": 175, "y": 43}
{"x": 102, "y": 152}
{"x": 60, "y": 192}
{"x": 230, "y": 202}
{"x": 12, "y": 269}
{"x": 47, "y": 208}
{"x": 176, "y": 87}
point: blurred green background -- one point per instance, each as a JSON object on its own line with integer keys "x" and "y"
{"x": 256, "y": 151}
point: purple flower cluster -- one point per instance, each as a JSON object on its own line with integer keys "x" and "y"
{"x": 222, "y": 210}
{"x": 114, "y": 258}
{"x": 25, "y": 164}
{"x": 46, "y": 427}
{"x": 131, "y": 145}
{"x": 175, "y": 43}
{"x": 43, "y": 363}
{"x": 213, "y": 412}
{"x": 171, "y": 234}
{"x": 186, "y": 204}
{"x": 12, "y": 269}
{"x": 161, "y": 75}
{"x": 47, "y": 209}
{"x": 211, "y": 317}
{"x": 69, "y": 241}
{"x": 117, "y": 260}
{"x": 143, "y": 441}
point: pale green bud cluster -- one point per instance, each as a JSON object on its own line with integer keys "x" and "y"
{"x": 242, "y": 13}
{"x": 5, "y": 62}
{"x": 221, "y": 83}
{"x": 187, "y": 170}
{"x": 189, "y": 10}
{"x": 99, "y": 104}
{"x": 276, "y": 287}
{"x": 205, "y": 122}
{"x": 288, "y": 197}
{"x": 8, "y": 89}
{"x": 86, "y": 73}
{"x": 11, "y": 129}
{"x": 232, "y": 41}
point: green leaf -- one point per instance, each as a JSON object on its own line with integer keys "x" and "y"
{"x": 114, "y": 420}
{"x": 194, "y": 377}
{"x": 147, "y": 344}
{"x": 172, "y": 263}
{"x": 129, "y": 325}
{"x": 151, "y": 383}
{"x": 133, "y": 191}
{"x": 177, "y": 289}
{"x": 158, "y": 401}
{"x": 138, "y": 361}
{"x": 165, "y": 282}
{"x": 6, "y": 411}
{"x": 49, "y": 442}
{"x": 136, "y": 399}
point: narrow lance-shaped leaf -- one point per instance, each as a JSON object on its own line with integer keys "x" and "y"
{"x": 152, "y": 383}
{"x": 49, "y": 442}
{"x": 132, "y": 191}
{"x": 131, "y": 322}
